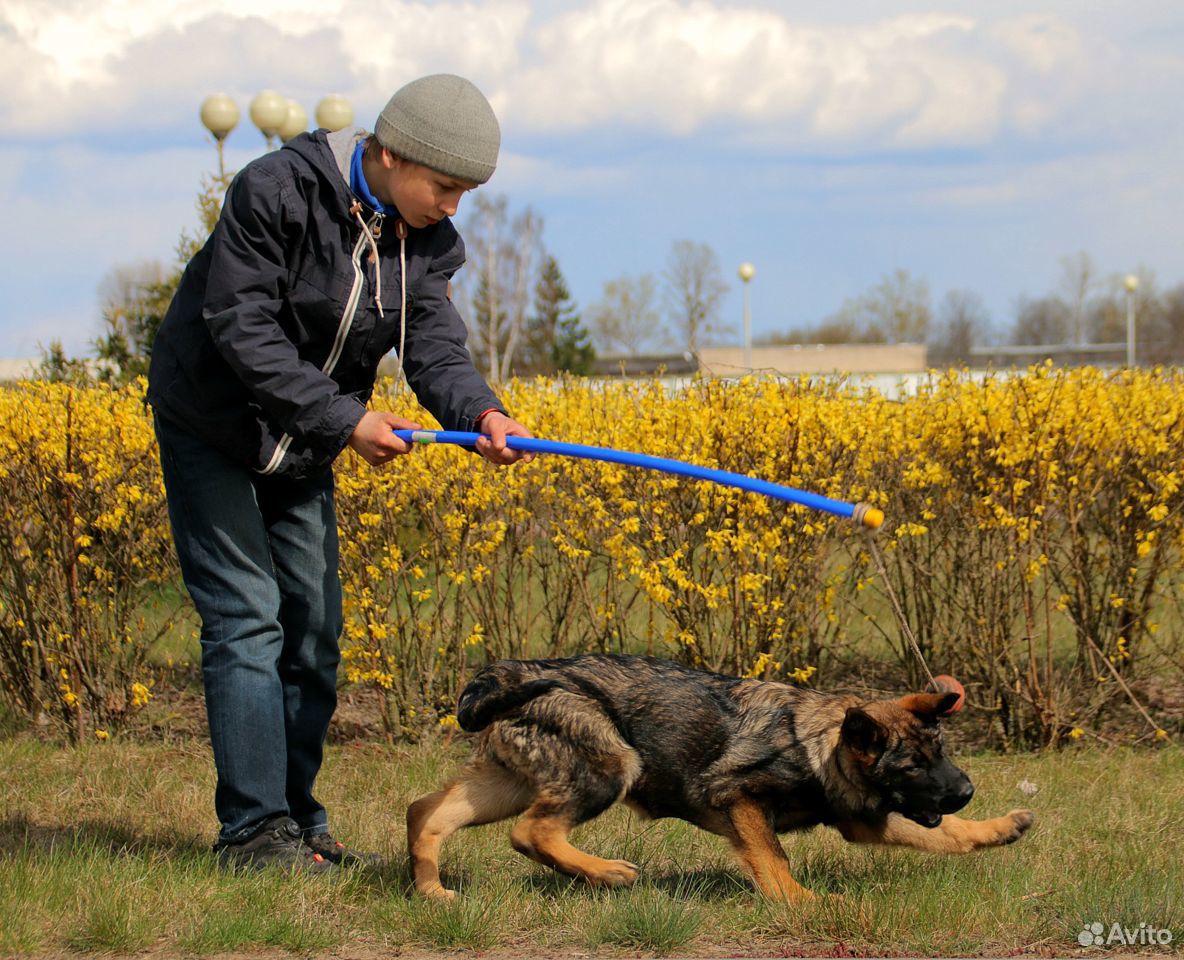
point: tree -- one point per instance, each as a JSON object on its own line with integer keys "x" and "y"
{"x": 56, "y": 367}
{"x": 1163, "y": 331}
{"x": 1107, "y": 315}
{"x": 694, "y": 288}
{"x": 625, "y": 319}
{"x": 556, "y": 340}
{"x": 135, "y": 297}
{"x": 1041, "y": 322}
{"x": 962, "y": 322}
{"x": 505, "y": 256}
{"x": 1078, "y": 278}
{"x": 896, "y": 310}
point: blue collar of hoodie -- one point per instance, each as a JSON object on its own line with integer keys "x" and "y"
{"x": 358, "y": 184}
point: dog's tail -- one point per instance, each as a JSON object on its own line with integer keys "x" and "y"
{"x": 493, "y": 693}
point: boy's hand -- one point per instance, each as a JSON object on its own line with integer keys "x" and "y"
{"x": 374, "y": 441}
{"x": 496, "y": 427}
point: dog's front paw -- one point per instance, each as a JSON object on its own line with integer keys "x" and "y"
{"x": 616, "y": 873}
{"x": 1021, "y": 821}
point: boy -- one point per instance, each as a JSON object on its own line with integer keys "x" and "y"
{"x": 328, "y": 253}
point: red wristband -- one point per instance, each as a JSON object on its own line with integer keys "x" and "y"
{"x": 482, "y": 415}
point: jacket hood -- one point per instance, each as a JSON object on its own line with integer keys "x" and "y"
{"x": 342, "y": 145}
{"x": 330, "y": 153}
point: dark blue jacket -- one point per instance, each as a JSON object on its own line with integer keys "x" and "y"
{"x": 270, "y": 348}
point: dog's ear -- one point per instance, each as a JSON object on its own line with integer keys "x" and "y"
{"x": 863, "y": 735}
{"x": 930, "y": 707}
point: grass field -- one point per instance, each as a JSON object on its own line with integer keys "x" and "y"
{"x": 105, "y": 849}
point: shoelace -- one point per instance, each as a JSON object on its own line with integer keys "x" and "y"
{"x": 401, "y": 233}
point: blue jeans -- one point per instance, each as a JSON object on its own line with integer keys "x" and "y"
{"x": 259, "y": 558}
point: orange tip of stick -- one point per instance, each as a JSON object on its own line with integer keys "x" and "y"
{"x": 868, "y": 516}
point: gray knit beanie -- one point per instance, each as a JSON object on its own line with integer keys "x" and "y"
{"x": 442, "y": 122}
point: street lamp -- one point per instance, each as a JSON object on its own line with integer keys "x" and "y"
{"x": 269, "y": 111}
{"x": 219, "y": 115}
{"x": 295, "y": 123}
{"x": 1131, "y": 283}
{"x": 746, "y": 272}
{"x": 334, "y": 113}
{"x": 274, "y": 115}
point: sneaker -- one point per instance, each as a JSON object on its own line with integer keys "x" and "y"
{"x": 336, "y": 852}
{"x": 275, "y": 845}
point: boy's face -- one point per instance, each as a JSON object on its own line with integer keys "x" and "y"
{"x": 422, "y": 195}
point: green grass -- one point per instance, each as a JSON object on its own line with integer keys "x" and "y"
{"x": 105, "y": 849}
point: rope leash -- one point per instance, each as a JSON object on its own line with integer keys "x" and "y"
{"x": 904, "y": 623}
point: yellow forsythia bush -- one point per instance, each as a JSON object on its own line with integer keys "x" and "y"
{"x": 1033, "y": 538}
{"x": 83, "y": 540}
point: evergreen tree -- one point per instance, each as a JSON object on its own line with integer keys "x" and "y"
{"x": 557, "y": 341}
{"x": 56, "y": 367}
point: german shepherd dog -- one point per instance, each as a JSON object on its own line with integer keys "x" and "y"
{"x": 563, "y": 740}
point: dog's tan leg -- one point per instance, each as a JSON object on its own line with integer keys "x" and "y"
{"x": 484, "y": 793}
{"x": 542, "y": 836}
{"x": 953, "y": 835}
{"x": 760, "y": 852}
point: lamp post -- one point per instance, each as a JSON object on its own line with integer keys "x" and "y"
{"x": 274, "y": 115}
{"x": 295, "y": 123}
{"x": 334, "y": 113}
{"x": 746, "y": 272}
{"x": 219, "y": 115}
{"x": 1131, "y": 283}
{"x": 269, "y": 111}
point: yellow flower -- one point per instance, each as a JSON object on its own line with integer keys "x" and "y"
{"x": 802, "y": 674}
{"x": 140, "y": 695}
{"x": 762, "y": 663}
{"x": 1076, "y": 733}
{"x": 102, "y": 735}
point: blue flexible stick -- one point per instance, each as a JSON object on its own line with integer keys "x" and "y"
{"x": 861, "y": 513}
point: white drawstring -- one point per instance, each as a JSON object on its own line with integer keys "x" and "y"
{"x": 401, "y": 233}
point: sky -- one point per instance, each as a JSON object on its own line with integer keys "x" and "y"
{"x": 973, "y": 144}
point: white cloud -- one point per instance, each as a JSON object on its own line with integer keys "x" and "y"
{"x": 1042, "y": 42}
{"x": 913, "y": 81}
{"x": 85, "y": 66}
{"x": 962, "y": 126}
{"x": 676, "y": 66}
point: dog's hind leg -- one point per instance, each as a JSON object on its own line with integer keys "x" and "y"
{"x": 755, "y": 843}
{"x": 484, "y": 793}
{"x": 952, "y": 835}
{"x": 542, "y": 836}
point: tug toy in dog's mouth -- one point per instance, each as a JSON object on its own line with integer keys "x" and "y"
{"x": 944, "y": 683}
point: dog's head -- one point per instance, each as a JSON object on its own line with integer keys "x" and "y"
{"x": 896, "y": 748}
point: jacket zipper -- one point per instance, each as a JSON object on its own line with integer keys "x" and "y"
{"x": 347, "y": 319}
